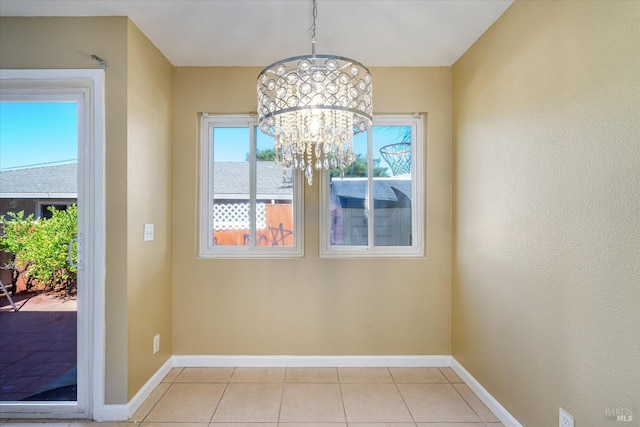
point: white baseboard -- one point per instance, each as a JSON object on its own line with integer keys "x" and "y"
{"x": 149, "y": 386}
{"x": 124, "y": 412}
{"x": 494, "y": 406}
{"x": 110, "y": 412}
{"x": 312, "y": 361}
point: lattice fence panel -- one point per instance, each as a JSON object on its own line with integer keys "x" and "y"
{"x": 235, "y": 216}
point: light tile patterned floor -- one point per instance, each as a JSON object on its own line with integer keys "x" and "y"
{"x": 305, "y": 397}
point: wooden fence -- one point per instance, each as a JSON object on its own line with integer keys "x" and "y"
{"x": 278, "y": 230}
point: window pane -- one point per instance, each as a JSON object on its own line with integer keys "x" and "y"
{"x": 250, "y": 207}
{"x": 348, "y": 199}
{"x": 392, "y": 185}
{"x": 274, "y": 197}
{"x": 231, "y": 186}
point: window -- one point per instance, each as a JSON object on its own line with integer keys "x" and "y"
{"x": 376, "y": 209}
{"x": 42, "y": 209}
{"x": 250, "y": 206}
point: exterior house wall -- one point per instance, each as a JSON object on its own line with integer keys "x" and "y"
{"x": 547, "y": 231}
{"x": 32, "y": 206}
{"x": 17, "y": 205}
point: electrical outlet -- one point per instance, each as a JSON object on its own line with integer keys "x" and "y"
{"x": 566, "y": 420}
{"x": 156, "y": 344}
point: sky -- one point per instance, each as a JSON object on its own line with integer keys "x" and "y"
{"x": 46, "y": 133}
{"x": 234, "y": 143}
{"x": 38, "y": 134}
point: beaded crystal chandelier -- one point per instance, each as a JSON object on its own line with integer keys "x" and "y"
{"x": 313, "y": 105}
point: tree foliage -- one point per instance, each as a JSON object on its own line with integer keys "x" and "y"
{"x": 268, "y": 154}
{"x": 42, "y": 245}
{"x": 359, "y": 168}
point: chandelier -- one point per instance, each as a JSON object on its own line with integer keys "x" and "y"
{"x": 313, "y": 105}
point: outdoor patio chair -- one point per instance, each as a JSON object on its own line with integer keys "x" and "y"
{"x": 6, "y": 293}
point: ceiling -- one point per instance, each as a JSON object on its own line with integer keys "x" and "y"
{"x": 260, "y": 32}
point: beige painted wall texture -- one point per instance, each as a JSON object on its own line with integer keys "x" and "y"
{"x": 546, "y": 283}
{"x": 149, "y": 201}
{"x": 311, "y": 306}
{"x": 42, "y": 43}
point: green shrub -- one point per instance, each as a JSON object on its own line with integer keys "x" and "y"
{"x": 42, "y": 245}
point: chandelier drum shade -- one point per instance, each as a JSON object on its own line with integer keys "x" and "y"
{"x": 313, "y": 105}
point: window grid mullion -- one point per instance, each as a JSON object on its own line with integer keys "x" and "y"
{"x": 414, "y": 175}
{"x": 209, "y": 186}
{"x": 370, "y": 201}
{"x": 253, "y": 209}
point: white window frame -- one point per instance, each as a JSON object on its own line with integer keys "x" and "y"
{"x": 417, "y": 197}
{"x": 206, "y": 248}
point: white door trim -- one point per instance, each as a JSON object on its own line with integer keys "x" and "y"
{"x": 85, "y": 86}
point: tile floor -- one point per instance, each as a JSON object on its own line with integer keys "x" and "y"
{"x": 315, "y": 397}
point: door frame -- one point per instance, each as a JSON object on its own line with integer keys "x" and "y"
{"x": 85, "y": 86}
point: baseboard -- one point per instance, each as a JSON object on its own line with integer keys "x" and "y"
{"x": 312, "y": 361}
{"x": 149, "y": 386}
{"x": 111, "y": 412}
{"x": 494, "y": 406}
{"x": 124, "y": 412}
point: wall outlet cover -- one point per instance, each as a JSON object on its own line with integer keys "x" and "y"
{"x": 156, "y": 343}
{"x": 566, "y": 420}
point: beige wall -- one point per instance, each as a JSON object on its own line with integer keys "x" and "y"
{"x": 69, "y": 43}
{"x": 312, "y": 306}
{"x": 546, "y": 291}
{"x": 139, "y": 108}
{"x": 149, "y": 200}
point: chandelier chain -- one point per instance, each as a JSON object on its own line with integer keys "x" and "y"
{"x": 312, "y": 29}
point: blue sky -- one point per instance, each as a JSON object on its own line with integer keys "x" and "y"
{"x": 37, "y": 133}
{"x": 44, "y": 133}
{"x": 234, "y": 144}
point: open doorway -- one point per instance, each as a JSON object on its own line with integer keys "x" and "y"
{"x": 52, "y": 182}
{"x": 38, "y": 257}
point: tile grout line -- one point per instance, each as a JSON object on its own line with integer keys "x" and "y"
{"x": 468, "y": 404}
{"x": 226, "y": 387}
{"x": 284, "y": 380}
{"x": 344, "y": 407}
{"x": 452, "y": 384}
{"x": 157, "y": 401}
{"x": 413, "y": 418}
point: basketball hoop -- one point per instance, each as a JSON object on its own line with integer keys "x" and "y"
{"x": 398, "y": 156}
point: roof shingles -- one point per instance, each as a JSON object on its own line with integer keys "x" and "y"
{"x": 47, "y": 179}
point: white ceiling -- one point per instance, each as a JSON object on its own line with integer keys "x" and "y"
{"x": 260, "y": 32}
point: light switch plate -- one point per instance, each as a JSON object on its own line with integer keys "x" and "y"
{"x": 148, "y": 232}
